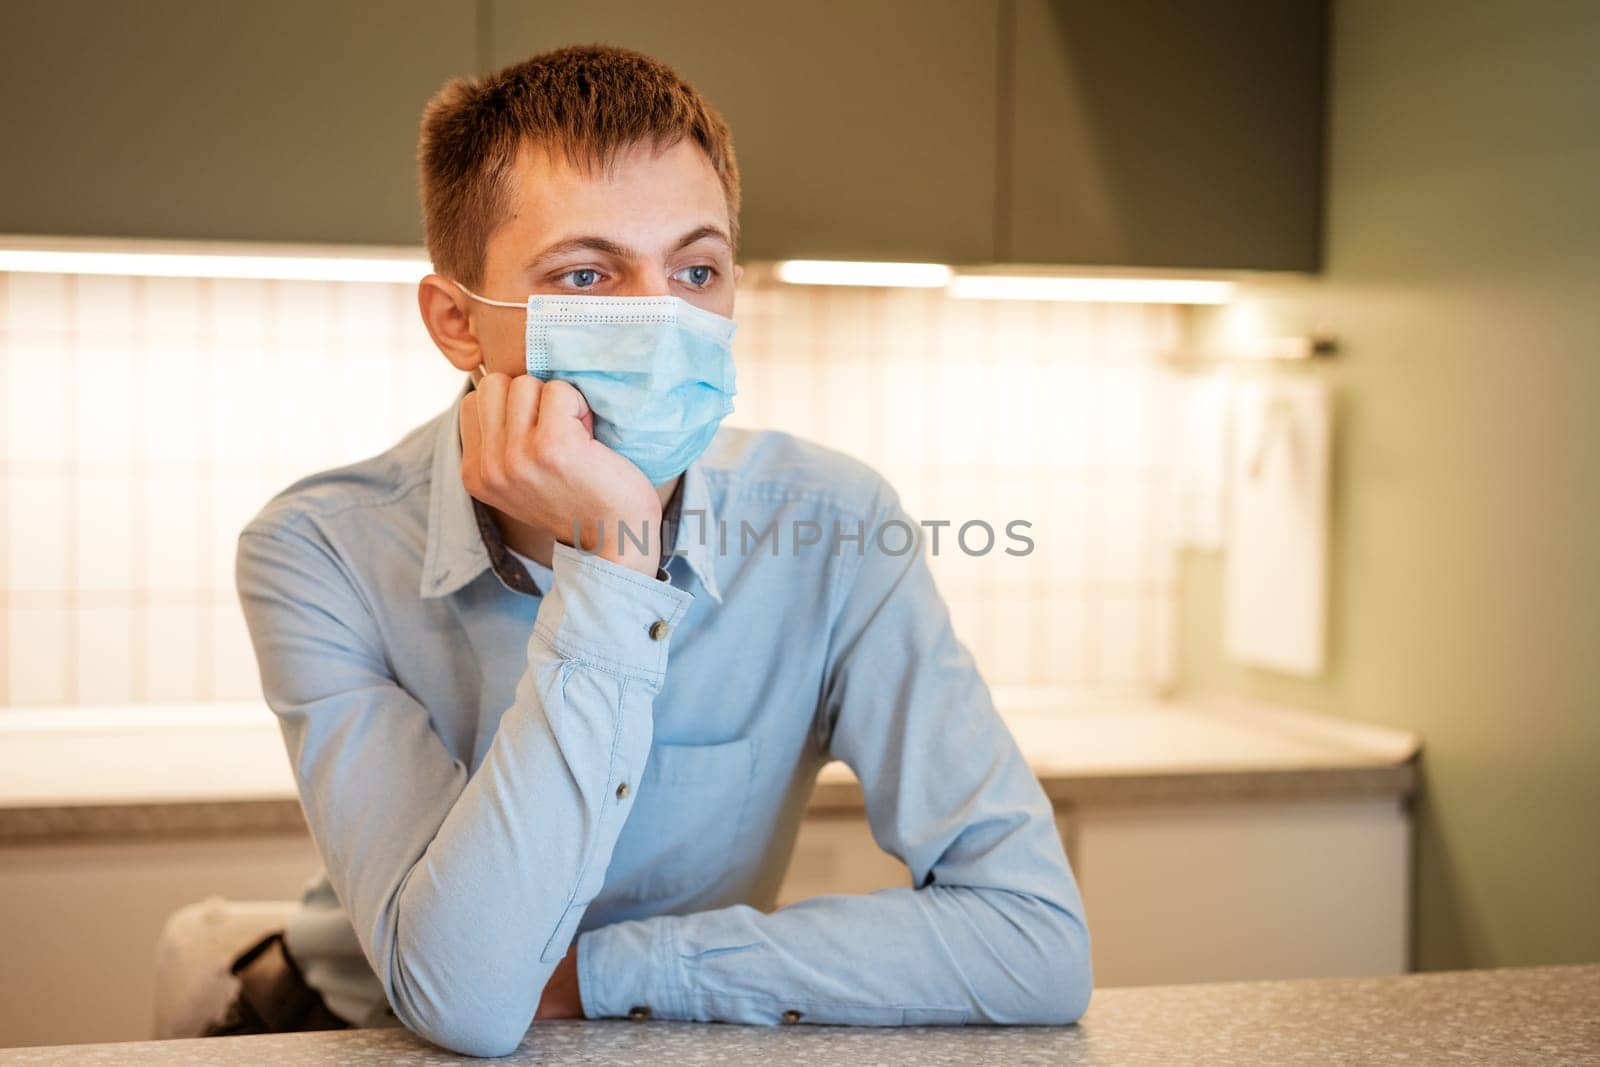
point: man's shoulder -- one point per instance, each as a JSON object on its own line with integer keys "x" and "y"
{"x": 775, "y": 466}
{"x": 324, "y": 498}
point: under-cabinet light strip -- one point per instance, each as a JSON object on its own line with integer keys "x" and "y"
{"x": 1089, "y": 288}
{"x": 205, "y": 265}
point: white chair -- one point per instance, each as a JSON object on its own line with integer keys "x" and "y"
{"x": 196, "y": 946}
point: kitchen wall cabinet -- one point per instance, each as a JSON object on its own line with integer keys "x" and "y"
{"x": 863, "y": 130}
{"x": 289, "y": 121}
{"x": 1145, "y": 133}
{"x": 1138, "y": 133}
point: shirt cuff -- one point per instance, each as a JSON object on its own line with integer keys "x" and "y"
{"x": 626, "y": 970}
{"x": 604, "y": 613}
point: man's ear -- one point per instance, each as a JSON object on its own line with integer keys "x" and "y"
{"x": 444, "y": 313}
{"x": 738, "y": 273}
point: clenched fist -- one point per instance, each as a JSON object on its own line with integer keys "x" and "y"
{"x": 528, "y": 449}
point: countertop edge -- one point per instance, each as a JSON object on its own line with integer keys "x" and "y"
{"x": 101, "y": 823}
{"x": 1518, "y": 1015}
{"x": 1221, "y": 786}
{"x": 49, "y": 824}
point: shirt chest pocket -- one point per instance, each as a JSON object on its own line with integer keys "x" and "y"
{"x": 685, "y": 821}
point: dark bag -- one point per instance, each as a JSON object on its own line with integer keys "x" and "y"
{"x": 273, "y": 996}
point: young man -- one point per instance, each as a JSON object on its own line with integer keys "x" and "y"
{"x": 554, "y": 771}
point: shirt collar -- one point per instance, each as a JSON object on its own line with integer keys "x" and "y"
{"x": 456, "y": 553}
{"x": 463, "y": 538}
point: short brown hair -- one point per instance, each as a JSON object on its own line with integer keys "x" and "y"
{"x": 585, "y": 101}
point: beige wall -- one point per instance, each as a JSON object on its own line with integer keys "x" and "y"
{"x": 1463, "y": 278}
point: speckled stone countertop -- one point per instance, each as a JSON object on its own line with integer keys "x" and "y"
{"x": 84, "y": 774}
{"x": 1524, "y": 1015}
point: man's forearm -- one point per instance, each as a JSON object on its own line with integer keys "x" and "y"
{"x": 939, "y": 955}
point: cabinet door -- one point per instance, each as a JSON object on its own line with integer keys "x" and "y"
{"x": 1157, "y": 133}
{"x": 294, "y": 120}
{"x": 1245, "y": 890}
{"x": 863, "y": 130}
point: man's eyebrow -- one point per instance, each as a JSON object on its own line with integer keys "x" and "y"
{"x": 700, "y": 233}
{"x": 606, "y": 246}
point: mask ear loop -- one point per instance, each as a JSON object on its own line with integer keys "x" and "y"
{"x": 477, "y": 372}
{"x": 486, "y": 300}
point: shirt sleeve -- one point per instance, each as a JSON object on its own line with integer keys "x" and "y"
{"x": 464, "y": 888}
{"x": 991, "y": 928}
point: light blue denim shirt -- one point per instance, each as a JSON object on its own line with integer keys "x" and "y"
{"x": 488, "y": 772}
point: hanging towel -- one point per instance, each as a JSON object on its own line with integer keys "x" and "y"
{"x": 1275, "y": 576}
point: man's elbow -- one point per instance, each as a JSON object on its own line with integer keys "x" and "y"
{"x": 461, "y": 1022}
{"x": 1061, "y": 980}
{"x": 1070, "y": 988}
{"x": 465, "y": 1032}
{"x": 1071, "y": 975}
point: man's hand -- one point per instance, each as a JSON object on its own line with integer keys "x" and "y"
{"x": 528, "y": 449}
{"x": 561, "y": 999}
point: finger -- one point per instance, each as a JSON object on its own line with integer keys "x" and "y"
{"x": 492, "y": 416}
{"x": 562, "y": 400}
{"x": 471, "y": 436}
{"x": 561, "y": 411}
{"x": 522, "y": 405}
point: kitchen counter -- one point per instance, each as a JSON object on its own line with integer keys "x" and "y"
{"x": 1107, "y": 751}
{"x": 83, "y": 774}
{"x": 1525, "y": 1015}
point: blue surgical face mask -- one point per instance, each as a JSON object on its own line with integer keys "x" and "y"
{"x": 656, "y": 371}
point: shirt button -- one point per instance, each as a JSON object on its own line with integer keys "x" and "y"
{"x": 658, "y": 629}
{"x": 791, "y": 1016}
{"x": 622, "y": 790}
{"x": 638, "y": 1011}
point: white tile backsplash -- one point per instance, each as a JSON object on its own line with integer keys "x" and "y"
{"x": 172, "y": 634}
{"x": 172, "y": 530}
{"x": 38, "y": 389}
{"x": 148, "y": 418}
{"x": 36, "y": 301}
{"x": 40, "y": 530}
{"x": 177, "y": 425}
{"x": 98, "y": 409}
{"x": 39, "y": 638}
{"x": 104, "y": 636}
{"x": 105, "y": 539}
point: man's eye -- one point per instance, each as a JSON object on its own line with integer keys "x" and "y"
{"x": 699, "y": 276}
{"x": 583, "y": 278}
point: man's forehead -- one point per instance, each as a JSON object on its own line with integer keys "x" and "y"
{"x": 646, "y": 197}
